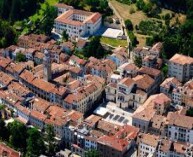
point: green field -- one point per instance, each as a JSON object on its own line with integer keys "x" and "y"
{"x": 114, "y": 42}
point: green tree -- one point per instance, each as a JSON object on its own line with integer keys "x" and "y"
{"x": 7, "y": 34}
{"x": 92, "y": 153}
{"x": 65, "y": 36}
{"x": 129, "y": 25}
{"x": 140, "y": 4}
{"x": 35, "y": 143}
{"x": 138, "y": 61}
{"x": 4, "y": 134}
{"x": 50, "y": 139}
{"x": 18, "y": 135}
{"x": 189, "y": 112}
{"x": 20, "y": 57}
{"x": 94, "y": 48}
{"x": 50, "y": 13}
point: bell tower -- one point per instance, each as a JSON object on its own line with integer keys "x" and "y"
{"x": 47, "y": 66}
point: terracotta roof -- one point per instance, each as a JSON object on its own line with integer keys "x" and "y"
{"x": 27, "y": 76}
{"x": 5, "y": 78}
{"x": 127, "y": 82}
{"x": 149, "y": 71}
{"x": 107, "y": 127}
{"x": 148, "y": 139}
{"x": 92, "y": 120}
{"x": 6, "y": 151}
{"x": 181, "y": 59}
{"x": 147, "y": 111}
{"x": 65, "y": 17}
{"x": 113, "y": 142}
{"x": 171, "y": 81}
{"x": 4, "y": 62}
{"x": 158, "y": 121}
{"x": 179, "y": 120}
{"x": 40, "y": 105}
{"x": 180, "y": 147}
{"x": 164, "y": 145}
{"x": 15, "y": 68}
{"x": 144, "y": 81}
{"x": 62, "y": 5}
{"x": 129, "y": 67}
{"x": 37, "y": 115}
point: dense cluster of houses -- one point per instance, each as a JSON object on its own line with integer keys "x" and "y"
{"x": 142, "y": 112}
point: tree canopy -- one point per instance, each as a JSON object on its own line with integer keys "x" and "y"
{"x": 18, "y": 135}
{"x": 18, "y": 9}
{"x": 35, "y": 143}
{"x": 94, "y": 48}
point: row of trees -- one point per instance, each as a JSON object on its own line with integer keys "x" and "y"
{"x": 28, "y": 140}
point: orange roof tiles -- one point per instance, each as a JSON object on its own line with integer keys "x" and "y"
{"x": 181, "y": 59}
{"x": 143, "y": 81}
{"x": 127, "y": 82}
{"x": 7, "y": 151}
{"x": 179, "y": 120}
{"x": 149, "y": 71}
{"x": 148, "y": 139}
{"x": 4, "y": 62}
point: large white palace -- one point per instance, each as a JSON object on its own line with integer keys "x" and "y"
{"x": 76, "y": 23}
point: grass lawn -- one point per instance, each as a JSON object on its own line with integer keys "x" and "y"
{"x": 39, "y": 13}
{"x": 113, "y": 42}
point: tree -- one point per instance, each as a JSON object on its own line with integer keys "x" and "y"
{"x": 65, "y": 36}
{"x": 94, "y": 48}
{"x": 50, "y": 139}
{"x": 4, "y": 134}
{"x": 35, "y": 143}
{"x": 50, "y": 13}
{"x": 92, "y": 153}
{"x": 129, "y": 25}
{"x": 18, "y": 135}
{"x": 20, "y": 57}
{"x": 140, "y": 4}
{"x": 7, "y": 34}
{"x": 189, "y": 112}
{"x": 138, "y": 61}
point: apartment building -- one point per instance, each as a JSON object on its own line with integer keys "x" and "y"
{"x": 147, "y": 145}
{"x": 130, "y": 93}
{"x": 103, "y": 68}
{"x": 168, "y": 148}
{"x": 154, "y": 105}
{"x": 83, "y": 97}
{"x": 179, "y": 127}
{"x": 128, "y": 70}
{"x": 168, "y": 85}
{"x": 181, "y": 67}
{"x": 119, "y": 56}
{"x": 119, "y": 144}
{"x": 150, "y": 56}
{"x": 76, "y": 23}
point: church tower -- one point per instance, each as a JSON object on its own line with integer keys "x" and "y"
{"x": 47, "y": 66}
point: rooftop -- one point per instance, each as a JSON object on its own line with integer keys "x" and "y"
{"x": 181, "y": 59}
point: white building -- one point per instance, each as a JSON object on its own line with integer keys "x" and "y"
{"x": 181, "y": 67}
{"x": 76, "y": 23}
{"x": 147, "y": 145}
{"x": 179, "y": 127}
